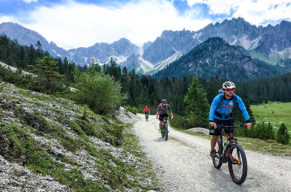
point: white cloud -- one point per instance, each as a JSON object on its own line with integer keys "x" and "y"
{"x": 264, "y": 10}
{"x": 74, "y": 24}
{"x": 29, "y": 1}
{"x": 7, "y": 19}
{"x": 254, "y": 11}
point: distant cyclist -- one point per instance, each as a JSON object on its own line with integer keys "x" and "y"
{"x": 221, "y": 111}
{"x": 163, "y": 110}
{"x": 146, "y": 111}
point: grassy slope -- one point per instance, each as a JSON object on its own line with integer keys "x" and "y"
{"x": 62, "y": 123}
{"x": 273, "y": 112}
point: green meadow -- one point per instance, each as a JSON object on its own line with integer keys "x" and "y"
{"x": 273, "y": 112}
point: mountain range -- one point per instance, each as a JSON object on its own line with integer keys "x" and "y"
{"x": 216, "y": 57}
{"x": 270, "y": 44}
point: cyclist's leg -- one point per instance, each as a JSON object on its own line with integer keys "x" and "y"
{"x": 214, "y": 138}
{"x": 213, "y": 142}
{"x": 161, "y": 121}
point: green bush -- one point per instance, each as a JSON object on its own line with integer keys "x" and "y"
{"x": 282, "y": 134}
{"x": 181, "y": 122}
{"x": 99, "y": 91}
{"x": 131, "y": 109}
{"x": 260, "y": 130}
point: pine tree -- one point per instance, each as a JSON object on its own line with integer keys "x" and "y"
{"x": 282, "y": 134}
{"x": 196, "y": 104}
{"x": 47, "y": 74}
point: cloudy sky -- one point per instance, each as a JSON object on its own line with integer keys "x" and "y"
{"x": 82, "y": 23}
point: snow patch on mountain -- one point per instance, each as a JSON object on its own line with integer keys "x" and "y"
{"x": 286, "y": 53}
{"x": 249, "y": 44}
{"x": 161, "y": 65}
{"x": 196, "y": 36}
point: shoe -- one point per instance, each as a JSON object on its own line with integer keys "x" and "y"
{"x": 212, "y": 153}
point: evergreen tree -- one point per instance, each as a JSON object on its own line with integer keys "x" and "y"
{"x": 197, "y": 106}
{"x": 47, "y": 74}
{"x": 282, "y": 134}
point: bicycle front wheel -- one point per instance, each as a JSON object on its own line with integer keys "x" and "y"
{"x": 237, "y": 164}
{"x": 166, "y": 132}
{"x": 217, "y": 162}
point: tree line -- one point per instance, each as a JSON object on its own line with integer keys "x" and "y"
{"x": 104, "y": 88}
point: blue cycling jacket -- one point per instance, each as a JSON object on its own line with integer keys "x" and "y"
{"x": 225, "y": 109}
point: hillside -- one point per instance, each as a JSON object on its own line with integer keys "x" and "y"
{"x": 52, "y": 144}
{"x": 215, "y": 57}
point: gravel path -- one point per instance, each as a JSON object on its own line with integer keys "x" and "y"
{"x": 183, "y": 163}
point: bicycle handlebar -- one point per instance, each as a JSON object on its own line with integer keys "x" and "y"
{"x": 231, "y": 127}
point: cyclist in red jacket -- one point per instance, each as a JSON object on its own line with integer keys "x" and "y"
{"x": 146, "y": 111}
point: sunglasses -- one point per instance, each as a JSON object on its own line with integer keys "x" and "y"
{"x": 229, "y": 90}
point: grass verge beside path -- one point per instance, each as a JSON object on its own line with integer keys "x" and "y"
{"x": 263, "y": 146}
{"x": 273, "y": 112}
{"x": 131, "y": 145}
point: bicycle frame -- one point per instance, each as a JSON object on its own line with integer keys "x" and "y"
{"x": 226, "y": 146}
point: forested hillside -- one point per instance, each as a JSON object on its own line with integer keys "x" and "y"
{"x": 215, "y": 57}
{"x": 114, "y": 86}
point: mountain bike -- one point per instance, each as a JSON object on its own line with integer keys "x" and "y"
{"x": 232, "y": 153}
{"x": 164, "y": 129}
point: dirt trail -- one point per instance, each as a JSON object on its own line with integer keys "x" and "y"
{"x": 183, "y": 164}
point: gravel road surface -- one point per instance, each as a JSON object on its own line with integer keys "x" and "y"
{"x": 183, "y": 163}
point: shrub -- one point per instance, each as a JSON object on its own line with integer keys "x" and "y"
{"x": 99, "y": 91}
{"x": 282, "y": 134}
{"x": 260, "y": 130}
{"x": 181, "y": 122}
{"x": 131, "y": 109}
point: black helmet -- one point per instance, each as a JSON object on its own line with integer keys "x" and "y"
{"x": 164, "y": 101}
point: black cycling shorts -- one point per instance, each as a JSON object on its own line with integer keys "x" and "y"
{"x": 221, "y": 122}
{"x": 161, "y": 116}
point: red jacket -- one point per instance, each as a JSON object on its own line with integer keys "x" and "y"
{"x": 146, "y": 109}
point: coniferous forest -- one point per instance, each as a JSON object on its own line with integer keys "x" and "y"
{"x": 56, "y": 76}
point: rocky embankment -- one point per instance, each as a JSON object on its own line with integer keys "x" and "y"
{"x": 52, "y": 144}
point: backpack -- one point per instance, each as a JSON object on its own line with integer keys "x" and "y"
{"x": 221, "y": 100}
{"x": 163, "y": 108}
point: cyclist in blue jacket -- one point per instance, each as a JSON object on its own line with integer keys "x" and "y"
{"x": 221, "y": 111}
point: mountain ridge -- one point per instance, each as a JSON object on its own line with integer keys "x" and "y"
{"x": 216, "y": 57}
{"x": 269, "y": 43}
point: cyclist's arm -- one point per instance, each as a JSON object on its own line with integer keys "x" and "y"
{"x": 158, "y": 111}
{"x": 170, "y": 110}
{"x": 243, "y": 109}
{"x": 213, "y": 108}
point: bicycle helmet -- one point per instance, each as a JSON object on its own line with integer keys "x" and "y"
{"x": 228, "y": 85}
{"x": 164, "y": 101}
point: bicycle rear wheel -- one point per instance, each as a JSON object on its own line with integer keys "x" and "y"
{"x": 237, "y": 164}
{"x": 217, "y": 162}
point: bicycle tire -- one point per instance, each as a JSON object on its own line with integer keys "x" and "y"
{"x": 240, "y": 163}
{"x": 166, "y": 132}
{"x": 162, "y": 132}
{"x": 217, "y": 161}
